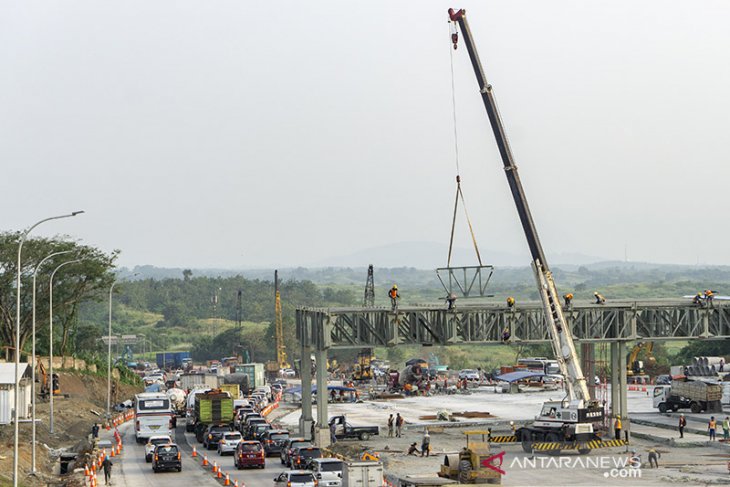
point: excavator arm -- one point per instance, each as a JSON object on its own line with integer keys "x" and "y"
{"x": 561, "y": 337}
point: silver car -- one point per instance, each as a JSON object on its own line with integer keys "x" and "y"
{"x": 229, "y": 442}
{"x": 295, "y": 478}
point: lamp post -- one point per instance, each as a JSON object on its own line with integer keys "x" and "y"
{"x": 109, "y": 353}
{"x": 32, "y": 383}
{"x": 50, "y": 334}
{"x": 16, "y": 389}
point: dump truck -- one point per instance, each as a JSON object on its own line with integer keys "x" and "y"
{"x": 212, "y": 407}
{"x": 255, "y": 373}
{"x": 695, "y": 395}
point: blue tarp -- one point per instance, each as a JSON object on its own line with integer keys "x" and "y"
{"x": 519, "y": 375}
{"x": 298, "y": 389}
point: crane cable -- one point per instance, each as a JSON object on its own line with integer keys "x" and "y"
{"x": 459, "y": 193}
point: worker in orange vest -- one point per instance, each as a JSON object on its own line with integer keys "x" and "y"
{"x": 394, "y": 296}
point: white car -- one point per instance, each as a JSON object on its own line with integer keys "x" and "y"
{"x": 287, "y": 373}
{"x": 469, "y": 374}
{"x": 153, "y": 441}
{"x": 229, "y": 442}
{"x": 328, "y": 471}
{"x": 295, "y": 478}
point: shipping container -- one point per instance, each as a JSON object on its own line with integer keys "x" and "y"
{"x": 173, "y": 360}
{"x": 233, "y": 389}
{"x": 197, "y": 379}
{"x": 254, "y": 372}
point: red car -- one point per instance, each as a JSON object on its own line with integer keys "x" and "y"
{"x": 249, "y": 454}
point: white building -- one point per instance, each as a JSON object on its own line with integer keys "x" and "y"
{"x": 7, "y": 391}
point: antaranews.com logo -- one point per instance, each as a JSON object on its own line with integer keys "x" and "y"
{"x": 613, "y": 467}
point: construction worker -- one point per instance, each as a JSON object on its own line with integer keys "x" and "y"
{"x": 398, "y": 425}
{"x": 505, "y": 334}
{"x": 617, "y": 427}
{"x": 391, "y": 422}
{"x": 451, "y": 301}
{"x": 394, "y": 296}
{"x": 107, "y": 464}
{"x": 709, "y": 295}
{"x": 599, "y": 298}
{"x": 413, "y": 449}
{"x": 426, "y": 444}
{"x": 698, "y": 300}
{"x": 95, "y": 431}
{"x": 568, "y": 299}
{"x": 654, "y": 458}
{"x": 726, "y": 428}
{"x": 682, "y": 425}
{"x": 510, "y": 302}
{"x": 712, "y": 428}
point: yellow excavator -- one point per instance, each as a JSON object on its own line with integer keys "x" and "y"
{"x": 362, "y": 369}
{"x": 635, "y": 367}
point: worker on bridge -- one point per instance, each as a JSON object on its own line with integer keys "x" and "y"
{"x": 451, "y": 300}
{"x": 599, "y": 298}
{"x": 394, "y": 297}
{"x": 510, "y": 302}
{"x": 568, "y": 300}
{"x": 698, "y": 300}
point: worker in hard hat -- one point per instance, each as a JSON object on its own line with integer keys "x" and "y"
{"x": 394, "y": 296}
{"x": 510, "y": 302}
{"x": 599, "y": 298}
{"x": 568, "y": 299}
{"x": 698, "y": 300}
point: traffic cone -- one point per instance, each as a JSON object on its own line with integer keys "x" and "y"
{"x": 215, "y": 467}
{"x": 218, "y": 474}
{"x": 86, "y": 471}
{"x": 112, "y": 455}
{"x": 205, "y": 460}
{"x": 119, "y": 448}
{"x": 228, "y": 480}
{"x": 195, "y": 452}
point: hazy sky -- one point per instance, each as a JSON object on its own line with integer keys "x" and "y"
{"x": 235, "y": 134}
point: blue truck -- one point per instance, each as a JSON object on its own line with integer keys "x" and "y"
{"x": 174, "y": 360}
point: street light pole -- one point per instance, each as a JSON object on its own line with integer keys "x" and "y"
{"x": 109, "y": 356}
{"x": 23, "y": 236}
{"x": 50, "y": 335}
{"x": 32, "y": 383}
{"x": 109, "y": 353}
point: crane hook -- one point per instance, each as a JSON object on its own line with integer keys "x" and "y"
{"x": 455, "y": 39}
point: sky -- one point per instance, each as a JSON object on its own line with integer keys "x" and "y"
{"x": 253, "y": 134}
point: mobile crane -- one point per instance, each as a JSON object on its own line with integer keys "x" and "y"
{"x": 571, "y": 420}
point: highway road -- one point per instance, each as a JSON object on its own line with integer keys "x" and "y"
{"x": 131, "y": 470}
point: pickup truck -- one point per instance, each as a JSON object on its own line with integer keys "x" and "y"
{"x": 344, "y": 430}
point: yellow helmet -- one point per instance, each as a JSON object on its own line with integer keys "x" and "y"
{"x": 395, "y": 286}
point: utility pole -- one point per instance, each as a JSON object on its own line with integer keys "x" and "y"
{"x": 369, "y": 300}
{"x": 239, "y": 313}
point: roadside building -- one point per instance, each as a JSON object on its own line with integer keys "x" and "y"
{"x": 7, "y": 391}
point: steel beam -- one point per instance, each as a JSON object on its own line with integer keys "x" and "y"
{"x": 324, "y": 328}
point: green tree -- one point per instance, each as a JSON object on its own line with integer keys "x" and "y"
{"x": 88, "y": 279}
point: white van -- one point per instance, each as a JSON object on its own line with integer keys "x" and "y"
{"x": 328, "y": 471}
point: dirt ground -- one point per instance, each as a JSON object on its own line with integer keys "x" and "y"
{"x": 73, "y": 418}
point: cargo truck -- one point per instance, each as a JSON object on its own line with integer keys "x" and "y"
{"x": 171, "y": 360}
{"x": 212, "y": 407}
{"x": 360, "y": 474}
{"x": 196, "y": 380}
{"x": 697, "y": 396}
{"x": 254, "y": 372}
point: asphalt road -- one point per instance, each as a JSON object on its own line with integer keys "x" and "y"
{"x": 131, "y": 470}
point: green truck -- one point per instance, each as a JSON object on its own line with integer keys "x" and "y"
{"x": 212, "y": 407}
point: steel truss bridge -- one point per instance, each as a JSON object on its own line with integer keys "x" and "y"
{"x": 616, "y": 321}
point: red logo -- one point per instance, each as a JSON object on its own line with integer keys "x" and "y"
{"x": 487, "y": 462}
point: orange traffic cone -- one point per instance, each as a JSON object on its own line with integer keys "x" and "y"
{"x": 228, "y": 480}
{"x": 119, "y": 448}
{"x": 86, "y": 471}
{"x": 112, "y": 455}
{"x": 219, "y": 475}
{"x": 215, "y": 467}
{"x": 195, "y": 452}
{"x": 235, "y": 483}
{"x": 205, "y": 460}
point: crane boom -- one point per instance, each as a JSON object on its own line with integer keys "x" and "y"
{"x": 279, "y": 326}
{"x": 561, "y": 337}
